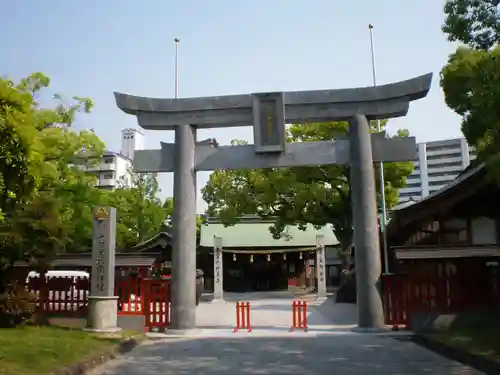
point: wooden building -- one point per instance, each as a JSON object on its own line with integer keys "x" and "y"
{"x": 140, "y": 259}
{"x": 448, "y": 245}
{"x": 254, "y": 260}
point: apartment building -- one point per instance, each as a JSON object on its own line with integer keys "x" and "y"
{"x": 114, "y": 168}
{"x": 438, "y": 163}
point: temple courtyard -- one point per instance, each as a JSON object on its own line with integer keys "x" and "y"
{"x": 330, "y": 346}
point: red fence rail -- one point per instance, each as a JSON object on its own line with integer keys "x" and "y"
{"x": 404, "y": 295}
{"x": 68, "y": 296}
{"x": 157, "y": 304}
{"x": 243, "y": 317}
{"x": 130, "y": 297}
{"x": 299, "y": 316}
{"x": 65, "y": 295}
{"x": 396, "y": 301}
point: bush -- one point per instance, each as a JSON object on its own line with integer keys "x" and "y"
{"x": 17, "y": 306}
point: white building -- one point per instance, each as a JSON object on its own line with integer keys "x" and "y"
{"x": 113, "y": 169}
{"x": 438, "y": 163}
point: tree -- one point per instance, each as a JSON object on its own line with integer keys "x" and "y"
{"x": 19, "y": 152}
{"x": 471, "y": 84}
{"x": 41, "y": 173}
{"x": 297, "y": 196}
{"x": 471, "y": 78}
{"x": 475, "y": 23}
{"x": 140, "y": 214}
{"x": 168, "y": 205}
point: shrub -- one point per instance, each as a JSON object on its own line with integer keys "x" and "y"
{"x": 17, "y": 306}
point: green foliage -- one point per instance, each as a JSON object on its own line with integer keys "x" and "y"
{"x": 475, "y": 23}
{"x": 45, "y": 194}
{"x": 471, "y": 78}
{"x": 168, "y": 205}
{"x": 471, "y": 83}
{"x": 17, "y": 306}
{"x": 141, "y": 215}
{"x": 297, "y": 196}
{"x": 19, "y": 152}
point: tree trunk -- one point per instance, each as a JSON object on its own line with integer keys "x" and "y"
{"x": 347, "y": 290}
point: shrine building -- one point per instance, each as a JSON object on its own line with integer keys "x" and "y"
{"x": 252, "y": 260}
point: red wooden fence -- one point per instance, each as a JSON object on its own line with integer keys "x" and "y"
{"x": 65, "y": 295}
{"x": 129, "y": 296}
{"x": 404, "y": 295}
{"x": 396, "y": 301}
{"x": 157, "y": 304}
{"x": 68, "y": 296}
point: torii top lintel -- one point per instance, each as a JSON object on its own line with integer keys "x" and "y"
{"x": 375, "y": 102}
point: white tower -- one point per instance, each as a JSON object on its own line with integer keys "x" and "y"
{"x": 132, "y": 140}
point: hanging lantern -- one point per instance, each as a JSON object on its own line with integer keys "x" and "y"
{"x": 300, "y": 256}
{"x": 234, "y": 257}
{"x": 251, "y": 258}
{"x": 268, "y": 257}
{"x": 284, "y": 256}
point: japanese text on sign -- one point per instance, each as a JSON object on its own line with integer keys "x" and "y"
{"x": 321, "y": 265}
{"x": 217, "y": 265}
{"x": 100, "y": 262}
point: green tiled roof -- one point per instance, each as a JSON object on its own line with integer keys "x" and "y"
{"x": 255, "y": 233}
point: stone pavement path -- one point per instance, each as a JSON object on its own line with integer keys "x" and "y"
{"x": 330, "y": 346}
{"x": 285, "y": 353}
{"x": 273, "y": 310}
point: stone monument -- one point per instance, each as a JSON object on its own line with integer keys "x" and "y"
{"x": 218, "y": 271}
{"x": 102, "y": 315}
{"x": 268, "y": 113}
{"x": 320, "y": 266}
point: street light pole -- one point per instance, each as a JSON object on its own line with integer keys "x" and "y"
{"x": 176, "y": 67}
{"x": 383, "y": 210}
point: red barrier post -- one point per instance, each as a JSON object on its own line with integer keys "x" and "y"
{"x": 243, "y": 320}
{"x": 299, "y": 316}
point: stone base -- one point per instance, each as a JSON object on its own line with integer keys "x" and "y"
{"x": 371, "y": 329}
{"x": 217, "y": 300}
{"x": 183, "y": 332}
{"x": 102, "y": 316}
{"x": 108, "y": 330}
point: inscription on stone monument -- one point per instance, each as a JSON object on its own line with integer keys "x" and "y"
{"x": 217, "y": 265}
{"x": 218, "y": 273}
{"x": 321, "y": 265}
{"x": 100, "y": 263}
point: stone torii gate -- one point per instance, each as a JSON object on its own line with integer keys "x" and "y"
{"x": 269, "y": 112}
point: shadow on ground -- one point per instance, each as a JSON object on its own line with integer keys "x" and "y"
{"x": 305, "y": 355}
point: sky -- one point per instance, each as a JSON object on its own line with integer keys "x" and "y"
{"x": 96, "y": 47}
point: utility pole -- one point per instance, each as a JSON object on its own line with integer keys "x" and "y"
{"x": 176, "y": 68}
{"x": 383, "y": 210}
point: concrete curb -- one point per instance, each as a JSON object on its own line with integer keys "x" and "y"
{"x": 480, "y": 363}
{"x": 82, "y": 367}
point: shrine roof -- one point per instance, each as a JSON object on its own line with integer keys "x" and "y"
{"x": 162, "y": 240}
{"x": 468, "y": 183}
{"x": 85, "y": 260}
{"x": 253, "y": 232}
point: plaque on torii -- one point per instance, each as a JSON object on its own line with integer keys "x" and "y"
{"x": 268, "y": 113}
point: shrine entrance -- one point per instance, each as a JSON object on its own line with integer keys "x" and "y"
{"x": 250, "y": 272}
{"x": 268, "y": 113}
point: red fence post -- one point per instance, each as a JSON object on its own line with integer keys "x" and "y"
{"x": 243, "y": 319}
{"x": 299, "y": 316}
